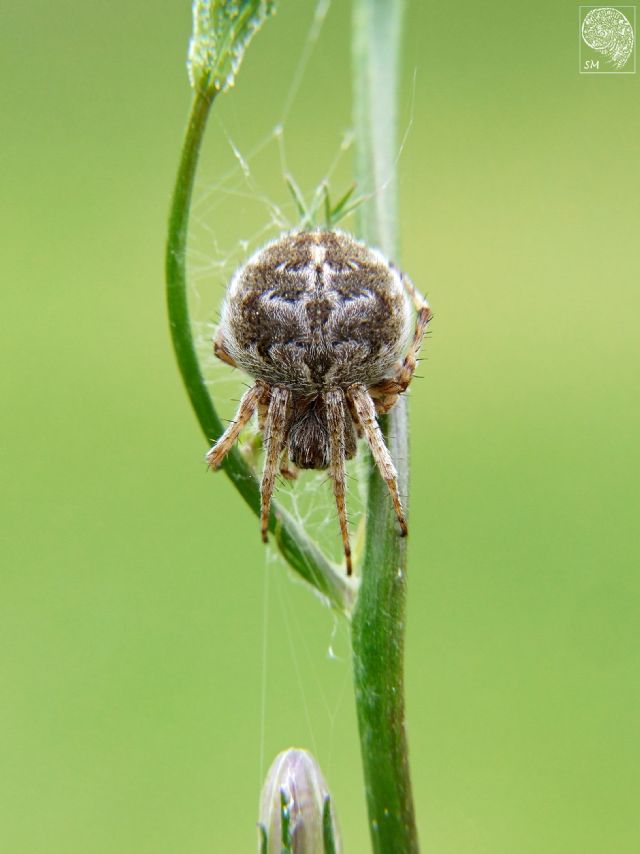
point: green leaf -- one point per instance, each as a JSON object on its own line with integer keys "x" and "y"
{"x": 298, "y": 198}
{"x": 327, "y": 828}
{"x": 327, "y": 204}
{"x": 222, "y": 30}
{"x": 285, "y": 822}
{"x": 262, "y": 830}
{"x": 345, "y": 206}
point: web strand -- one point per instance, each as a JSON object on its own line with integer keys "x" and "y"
{"x": 246, "y": 182}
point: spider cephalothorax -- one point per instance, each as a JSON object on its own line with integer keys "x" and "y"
{"x": 323, "y": 325}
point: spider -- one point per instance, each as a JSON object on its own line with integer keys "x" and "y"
{"x": 322, "y": 323}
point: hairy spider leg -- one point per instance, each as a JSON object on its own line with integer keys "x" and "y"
{"x": 248, "y": 403}
{"x": 423, "y": 316}
{"x": 335, "y": 407}
{"x": 385, "y": 393}
{"x": 287, "y": 468}
{"x": 275, "y": 431}
{"x": 366, "y": 414}
{"x": 220, "y": 351}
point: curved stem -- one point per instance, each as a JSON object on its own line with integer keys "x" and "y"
{"x": 379, "y": 617}
{"x": 302, "y": 554}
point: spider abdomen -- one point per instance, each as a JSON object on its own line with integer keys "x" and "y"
{"x": 314, "y": 311}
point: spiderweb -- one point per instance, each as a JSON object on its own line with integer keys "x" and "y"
{"x": 260, "y": 182}
{"x": 255, "y": 183}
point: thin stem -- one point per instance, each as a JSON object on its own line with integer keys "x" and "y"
{"x": 379, "y": 616}
{"x": 302, "y": 554}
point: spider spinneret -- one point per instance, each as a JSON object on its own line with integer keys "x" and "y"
{"x": 323, "y": 325}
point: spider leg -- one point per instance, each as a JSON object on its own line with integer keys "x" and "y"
{"x": 220, "y": 351}
{"x": 354, "y": 417}
{"x": 287, "y": 469}
{"x": 406, "y": 370}
{"x": 263, "y": 408}
{"x": 275, "y": 432}
{"x": 366, "y": 414}
{"x": 248, "y": 403}
{"x": 334, "y": 402}
{"x": 383, "y": 399}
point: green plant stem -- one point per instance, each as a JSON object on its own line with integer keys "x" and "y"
{"x": 301, "y": 554}
{"x": 379, "y": 616}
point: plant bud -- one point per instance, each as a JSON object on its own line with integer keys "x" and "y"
{"x": 296, "y": 813}
{"x": 222, "y": 30}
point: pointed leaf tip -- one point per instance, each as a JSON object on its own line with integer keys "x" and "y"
{"x": 222, "y": 30}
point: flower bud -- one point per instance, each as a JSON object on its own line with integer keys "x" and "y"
{"x": 222, "y": 30}
{"x": 296, "y": 813}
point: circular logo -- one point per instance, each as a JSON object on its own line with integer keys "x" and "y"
{"x": 609, "y": 32}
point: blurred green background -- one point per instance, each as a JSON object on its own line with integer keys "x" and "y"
{"x": 139, "y": 705}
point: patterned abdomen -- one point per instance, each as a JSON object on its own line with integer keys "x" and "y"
{"x": 316, "y": 310}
